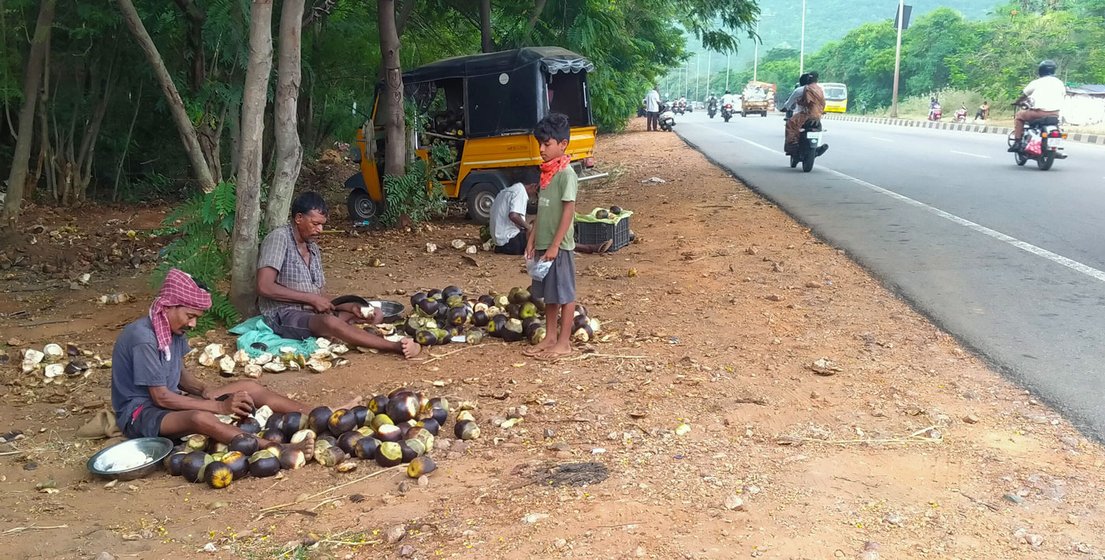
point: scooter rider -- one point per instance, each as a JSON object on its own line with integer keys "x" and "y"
{"x": 728, "y": 99}
{"x": 808, "y": 103}
{"x": 711, "y": 103}
{"x": 1044, "y": 96}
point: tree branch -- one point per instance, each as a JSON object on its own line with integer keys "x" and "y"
{"x": 404, "y": 16}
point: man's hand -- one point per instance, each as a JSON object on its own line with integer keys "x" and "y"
{"x": 237, "y": 404}
{"x": 322, "y": 304}
{"x": 550, "y": 253}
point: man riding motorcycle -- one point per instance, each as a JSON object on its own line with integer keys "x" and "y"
{"x": 711, "y": 105}
{"x": 808, "y": 103}
{"x": 1044, "y": 97}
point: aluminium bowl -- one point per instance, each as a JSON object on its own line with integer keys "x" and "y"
{"x": 154, "y": 448}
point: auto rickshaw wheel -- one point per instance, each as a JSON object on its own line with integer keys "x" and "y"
{"x": 480, "y": 199}
{"x": 361, "y": 206}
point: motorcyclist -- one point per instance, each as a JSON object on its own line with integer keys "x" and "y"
{"x": 729, "y": 99}
{"x": 711, "y": 103}
{"x": 807, "y": 102}
{"x": 1044, "y": 97}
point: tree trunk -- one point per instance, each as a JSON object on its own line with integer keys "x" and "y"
{"x": 395, "y": 153}
{"x": 32, "y": 80}
{"x": 126, "y": 143}
{"x": 289, "y": 150}
{"x": 485, "y": 26}
{"x": 184, "y": 126}
{"x": 243, "y": 266}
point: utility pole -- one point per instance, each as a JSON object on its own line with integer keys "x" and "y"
{"x": 802, "y": 50}
{"x": 727, "y": 71}
{"x": 697, "y": 73}
{"x": 709, "y": 59}
{"x": 756, "y": 56}
{"x": 897, "y": 58}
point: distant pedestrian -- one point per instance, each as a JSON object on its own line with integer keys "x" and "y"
{"x": 652, "y": 109}
{"x": 983, "y": 111}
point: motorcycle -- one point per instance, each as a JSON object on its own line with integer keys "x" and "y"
{"x": 961, "y": 115}
{"x": 711, "y": 109}
{"x": 1042, "y": 142}
{"x": 935, "y": 112}
{"x": 810, "y": 144}
{"x": 680, "y": 107}
{"x": 727, "y": 111}
{"x": 667, "y": 118}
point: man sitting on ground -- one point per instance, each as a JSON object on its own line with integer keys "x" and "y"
{"x": 154, "y": 395}
{"x": 290, "y": 285}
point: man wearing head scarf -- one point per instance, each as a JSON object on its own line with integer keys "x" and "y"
{"x": 152, "y": 392}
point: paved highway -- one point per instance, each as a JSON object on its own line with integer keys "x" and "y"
{"x": 1010, "y": 260}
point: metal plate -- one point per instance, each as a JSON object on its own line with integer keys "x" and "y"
{"x": 112, "y": 462}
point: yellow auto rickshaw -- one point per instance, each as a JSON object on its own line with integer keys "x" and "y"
{"x": 484, "y": 108}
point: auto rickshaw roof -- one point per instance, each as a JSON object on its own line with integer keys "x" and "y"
{"x": 552, "y": 59}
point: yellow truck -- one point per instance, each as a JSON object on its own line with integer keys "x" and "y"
{"x": 484, "y": 108}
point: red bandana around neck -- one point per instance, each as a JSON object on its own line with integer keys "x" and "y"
{"x": 178, "y": 290}
{"x": 552, "y": 167}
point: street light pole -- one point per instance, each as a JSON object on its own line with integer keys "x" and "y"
{"x": 897, "y": 58}
{"x": 697, "y": 72}
{"x": 802, "y": 51}
{"x": 727, "y": 71}
{"x": 709, "y": 59}
{"x": 756, "y": 56}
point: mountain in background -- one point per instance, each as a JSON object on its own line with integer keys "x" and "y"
{"x": 826, "y": 20}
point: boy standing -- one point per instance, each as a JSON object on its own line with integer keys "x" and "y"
{"x": 549, "y": 238}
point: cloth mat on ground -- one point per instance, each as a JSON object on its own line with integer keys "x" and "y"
{"x": 256, "y": 337}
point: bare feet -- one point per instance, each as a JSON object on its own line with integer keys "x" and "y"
{"x": 307, "y": 446}
{"x": 355, "y": 401}
{"x": 411, "y": 349}
{"x": 540, "y": 347}
{"x": 554, "y": 353}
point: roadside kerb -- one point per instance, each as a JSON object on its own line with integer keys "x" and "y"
{"x": 966, "y": 127}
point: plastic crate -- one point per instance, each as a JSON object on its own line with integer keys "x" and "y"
{"x": 594, "y": 233}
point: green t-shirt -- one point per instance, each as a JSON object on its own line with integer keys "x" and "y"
{"x": 550, "y": 207}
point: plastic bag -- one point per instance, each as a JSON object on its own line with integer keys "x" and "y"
{"x": 1034, "y": 148}
{"x": 538, "y": 269}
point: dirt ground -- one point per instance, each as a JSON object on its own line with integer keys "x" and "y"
{"x": 909, "y": 447}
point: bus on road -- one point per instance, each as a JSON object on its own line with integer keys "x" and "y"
{"x": 836, "y": 97}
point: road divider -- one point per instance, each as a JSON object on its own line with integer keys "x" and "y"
{"x": 951, "y": 125}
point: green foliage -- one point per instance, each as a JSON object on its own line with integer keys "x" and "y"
{"x": 200, "y": 229}
{"x": 416, "y": 194}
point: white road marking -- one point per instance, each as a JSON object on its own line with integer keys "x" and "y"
{"x": 1022, "y": 245}
{"x": 970, "y": 154}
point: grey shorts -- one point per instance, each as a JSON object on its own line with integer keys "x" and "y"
{"x": 290, "y": 322}
{"x": 146, "y": 423}
{"x": 559, "y": 285}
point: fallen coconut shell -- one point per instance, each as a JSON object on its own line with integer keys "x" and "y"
{"x": 420, "y": 466}
{"x": 53, "y": 352}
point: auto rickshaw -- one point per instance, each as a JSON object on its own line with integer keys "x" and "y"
{"x": 483, "y": 108}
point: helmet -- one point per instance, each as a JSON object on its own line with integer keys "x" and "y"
{"x": 1047, "y": 68}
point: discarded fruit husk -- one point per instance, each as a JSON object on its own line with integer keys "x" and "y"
{"x": 317, "y": 365}
{"x": 321, "y": 353}
{"x": 206, "y": 360}
{"x": 226, "y": 366}
{"x": 346, "y": 466}
{"x": 76, "y": 367}
{"x": 330, "y": 456}
{"x": 241, "y": 357}
{"x": 420, "y": 466}
{"x": 214, "y": 351}
{"x": 465, "y": 415}
{"x": 53, "y": 352}
{"x": 291, "y": 459}
{"x": 54, "y": 370}
{"x": 253, "y": 371}
{"x": 274, "y": 367}
{"x": 320, "y": 343}
{"x": 263, "y": 359}
{"x": 31, "y": 359}
{"x": 340, "y": 348}
{"x": 458, "y": 244}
